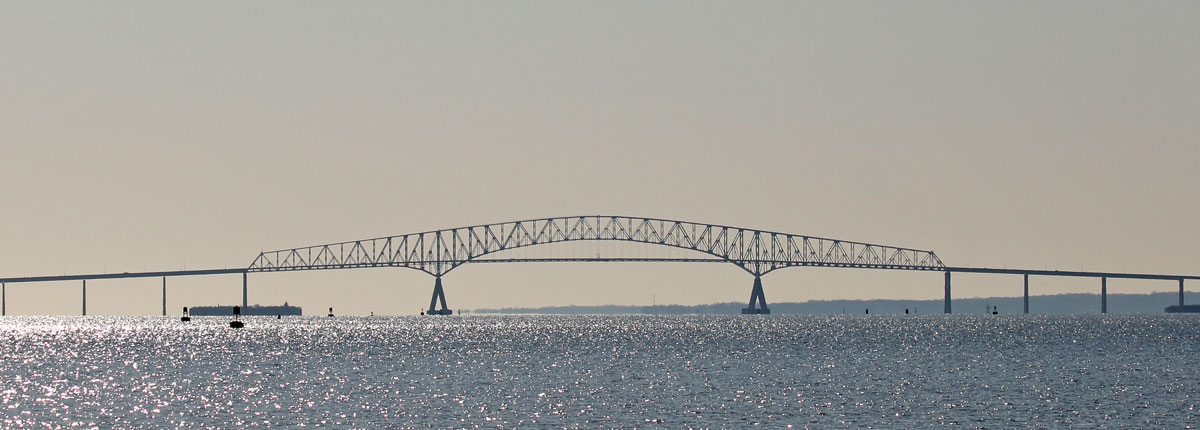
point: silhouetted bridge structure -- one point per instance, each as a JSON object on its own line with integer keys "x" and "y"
{"x": 757, "y": 252}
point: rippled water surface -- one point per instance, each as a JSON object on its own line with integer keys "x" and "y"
{"x": 598, "y": 372}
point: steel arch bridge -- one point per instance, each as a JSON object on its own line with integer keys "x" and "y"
{"x": 438, "y": 252}
{"x": 757, "y": 252}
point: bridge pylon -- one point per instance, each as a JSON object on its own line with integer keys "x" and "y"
{"x": 757, "y": 296}
{"x": 438, "y": 295}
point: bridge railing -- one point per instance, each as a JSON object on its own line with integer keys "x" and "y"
{"x": 439, "y": 251}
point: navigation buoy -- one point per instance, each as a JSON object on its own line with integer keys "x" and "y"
{"x": 237, "y": 312}
{"x": 995, "y": 311}
{"x": 186, "y": 317}
{"x": 330, "y": 312}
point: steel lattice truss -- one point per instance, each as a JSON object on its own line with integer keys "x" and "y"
{"x": 440, "y": 251}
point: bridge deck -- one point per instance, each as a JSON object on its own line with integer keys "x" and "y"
{"x": 1068, "y": 273}
{"x": 1033, "y": 272}
{"x": 122, "y": 275}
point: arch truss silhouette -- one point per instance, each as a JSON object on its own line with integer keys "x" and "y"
{"x": 438, "y": 252}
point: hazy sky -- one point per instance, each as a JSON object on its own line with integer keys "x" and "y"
{"x": 163, "y": 135}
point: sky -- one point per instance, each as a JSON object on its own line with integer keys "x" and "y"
{"x": 148, "y": 135}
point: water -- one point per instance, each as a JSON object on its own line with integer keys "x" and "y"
{"x": 601, "y": 372}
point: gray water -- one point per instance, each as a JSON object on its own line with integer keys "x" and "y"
{"x": 601, "y": 372}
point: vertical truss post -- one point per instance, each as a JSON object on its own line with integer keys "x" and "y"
{"x": 757, "y": 296}
{"x": 1103, "y": 295}
{"x": 164, "y": 296}
{"x": 946, "y": 305}
{"x": 438, "y": 295}
{"x": 1026, "y": 293}
{"x": 84, "y": 311}
{"x": 244, "y": 274}
{"x": 1180, "y": 291}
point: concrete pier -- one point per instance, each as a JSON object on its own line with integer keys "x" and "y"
{"x": 1026, "y": 293}
{"x": 439, "y": 295}
{"x": 3, "y": 299}
{"x": 946, "y": 308}
{"x": 1103, "y": 295}
{"x": 84, "y": 312}
{"x": 1180, "y": 292}
{"x": 757, "y": 296}
{"x": 244, "y": 289}
{"x": 164, "y": 296}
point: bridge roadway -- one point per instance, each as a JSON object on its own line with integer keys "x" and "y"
{"x": 244, "y": 272}
{"x": 754, "y": 251}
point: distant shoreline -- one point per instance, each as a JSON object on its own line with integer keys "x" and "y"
{"x": 1080, "y": 303}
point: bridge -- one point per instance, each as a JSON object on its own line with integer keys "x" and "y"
{"x": 756, "y": 252}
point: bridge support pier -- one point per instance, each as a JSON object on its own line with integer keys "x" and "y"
{"x": 243, "y": 289}
{"x": 4, "y": 299}
{"x": 757, "y": 296}
{"x": 946, "y": 306}
{"x": 164, "y": 296}
{"x": 1103, "y": 295}
{"x": 1181, "y": 292}
{"x": 84, "y": 311}
{"x": 1026, "y": 293}
{"x": 438, "y": 295}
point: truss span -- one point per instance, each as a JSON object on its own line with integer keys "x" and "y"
{"x": 440, "y": 251}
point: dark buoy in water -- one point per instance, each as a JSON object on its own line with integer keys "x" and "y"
{"x": 906, "y": 311}
{"x": 995, "y": 311}
{"x": 330, "y": 312}
{"x": 278, "y": 317}
{"x": 186, "y": 317}
{"x": 868, "y": 311}
{"x": 237, "y": 312}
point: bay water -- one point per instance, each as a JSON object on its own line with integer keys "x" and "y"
{"x": 777, "y": 371}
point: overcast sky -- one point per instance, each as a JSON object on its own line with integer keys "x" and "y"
{"x": 167, "y": 135}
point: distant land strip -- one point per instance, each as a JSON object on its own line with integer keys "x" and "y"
{"x": 1081, "y": 303}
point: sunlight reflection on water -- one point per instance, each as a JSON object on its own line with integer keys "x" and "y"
{"x": 600, "y": 371}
